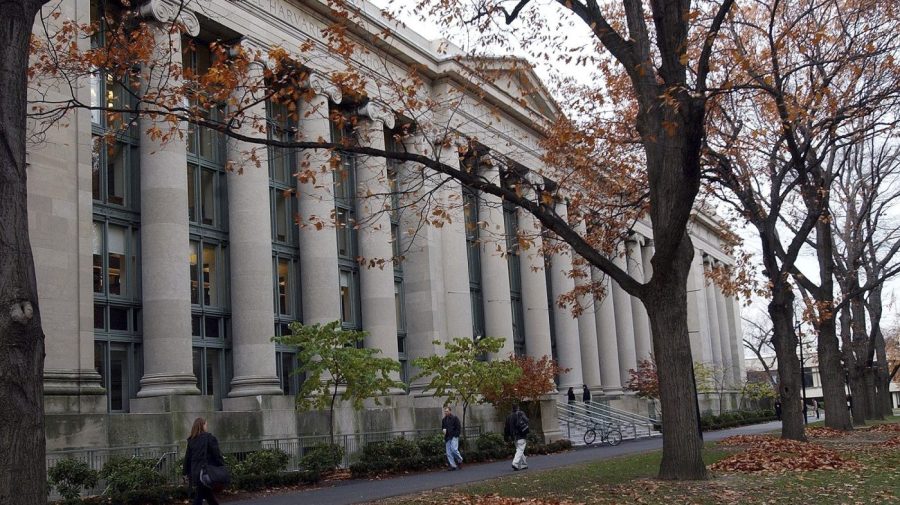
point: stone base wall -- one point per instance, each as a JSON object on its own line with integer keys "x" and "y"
{"x": 82, "y": 422}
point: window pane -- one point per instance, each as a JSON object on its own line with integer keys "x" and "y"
{"x": 284, "y": 287}
{"x": 195, "y": 326}
{"x": 113, "y": 101}
{"x": 282, "y": 211}
{"x": 117, "y": 261}
{"x": 99, "y": 317}
{"x": 118, "y": 377}
{"x": 97, "y": 244}
{"x": 398, "y": 306}
{"x": 208, "y": 195}
{"x": 346, "y": 298}
{"x": 210, "y": 276}
{"x": 195, "y": 284}
{"x": 100, "y": 361}
{"x": 115, "y": 174}
{"x": 212, "y": 327}
{"x": 214, "y": 379}
{"x": 198, "y": 367}
{"x": 343, "y": 233}
{"x": 95, "y": 95}
{"x": 287, "y": 366}
{"x": 192, "y": 192}
{"x": 118, "y": 319}
{"x": 96, "y": 158}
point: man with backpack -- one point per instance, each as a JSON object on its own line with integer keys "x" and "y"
{"x": 516, "y": 429}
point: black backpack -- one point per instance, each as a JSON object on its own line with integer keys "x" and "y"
{"x": 521, "y": 424}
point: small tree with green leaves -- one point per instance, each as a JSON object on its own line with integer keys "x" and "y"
{"x": 712, "y": 379}
{"x": 756, "y": 391}
{"x": 337, "y": 366}
{"x": 460, "y": 375}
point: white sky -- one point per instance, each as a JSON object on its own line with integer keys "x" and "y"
{"x": 579, "y": 34}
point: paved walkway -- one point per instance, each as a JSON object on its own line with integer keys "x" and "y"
{"x": 359, "y": 491}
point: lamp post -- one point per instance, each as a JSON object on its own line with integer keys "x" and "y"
{"x": 803, "y": 381}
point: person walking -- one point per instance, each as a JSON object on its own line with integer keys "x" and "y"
{"x": 586, "y": 394}
{"x": 816, "y": 406}
{"x": 452, "y": 430}
{"x": 202, "y": 453}
{"x": 571, "y": 395}
{"x": 516, "y": 430}
{"x": 778, "y": 409}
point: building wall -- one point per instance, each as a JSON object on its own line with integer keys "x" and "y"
{"x": 135, "y": 350}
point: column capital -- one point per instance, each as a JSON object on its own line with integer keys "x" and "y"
{"x": 166, "y": 11}
{"x": 377, "y": 111}
{"x": 322, "y": 85}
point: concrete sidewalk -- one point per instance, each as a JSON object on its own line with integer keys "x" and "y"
{"x": 358, "y": 491}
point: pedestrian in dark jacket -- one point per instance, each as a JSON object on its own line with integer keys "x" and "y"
{"x": 202, "y": 451}
{"x": 516, "y": 430}
{"x": 586, "y": 394}
{"x": 571, "y": 395}
{"x": 778, "y": 409}
{"x": 451, "y": 427}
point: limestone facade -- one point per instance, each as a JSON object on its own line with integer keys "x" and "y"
{"x": 163, "y": 275}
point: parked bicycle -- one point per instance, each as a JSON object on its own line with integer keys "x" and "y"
{"x": 608, "y": 433}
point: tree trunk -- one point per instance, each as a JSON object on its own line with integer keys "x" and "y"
{"x": 883, "y": 404}
{"x": 784, "y": 340}
{"x": 23, "y": 475}
{"x": 832, "y": 373}
{"x": 872, "y": 411}
{"x": 859, "y": 345}
{"x": 857, "y": 393}
{"x": 666, "y": 307}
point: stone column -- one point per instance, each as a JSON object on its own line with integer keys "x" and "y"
{"x": 607, "y": 340}
{"x": 568, "y": 341}
{"x": 423, "y": 269}
{"x": 698, "y": 317}
{"x": 455, "y": 263}
{"x": 737, "y": 340}
{"x": 725, "y": 337}
{"x": 250, "y": 247}
{"x": 587, "y": 326}
{"x": 624, "y": 325}
{"x": 373, "y": 213}
{"x": 494, "y": 268}
{"x": 712, "y": 314}
{"x": 165, "y": 269}
{"x": 315, "y": 193}
{"x": 643, "y": 347}
{"x": 534, "y": 289}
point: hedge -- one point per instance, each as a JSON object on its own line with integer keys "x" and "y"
{"x": 736, "y": 418}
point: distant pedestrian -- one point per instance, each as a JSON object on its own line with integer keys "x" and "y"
{"x": 778, "y": 409}
{"x": 571, "y": 395}
{"x": 816, "y": 406}
{"x": 452, "y": 430}
{"x": 201, "y": 456}
{"x": 586, "y": 394}
{"x": 516, "y": 430}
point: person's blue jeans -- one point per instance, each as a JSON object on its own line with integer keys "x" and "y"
{"x": 453, "y": 455}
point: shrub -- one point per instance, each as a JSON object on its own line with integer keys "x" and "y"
{"x": 491, "y": 443}
{"x": 432, "y": 446}
{"x": 322, "y": 458}
{"x": 130, "y": 474}
{"x": 266, "y": 461}
{"x": 401, "y": 448}
{"x": 70, "y": 477}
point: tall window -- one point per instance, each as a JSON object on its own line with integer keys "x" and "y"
{"x": 345, "y": 224}
{"x": 285, "y": 243}
{"x": 393, "y": 175}
{"x": 511, "y": 225}
{"x": 208, "y": 247}
{"x": 551, "y": 301}
{"x": 473, "y": 250}
{"x": 115, "y": 183}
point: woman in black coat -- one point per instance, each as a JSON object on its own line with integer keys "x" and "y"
{"x": 202, "y": 451}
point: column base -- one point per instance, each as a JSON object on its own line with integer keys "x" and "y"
{"x": 65, "y": 382}
{"x": 255, "y": 385}
{"x": 168, "y": 384}
{"x": 613, "y": 391}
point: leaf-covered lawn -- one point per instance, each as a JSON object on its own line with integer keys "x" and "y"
{"x": 862, "y": 467}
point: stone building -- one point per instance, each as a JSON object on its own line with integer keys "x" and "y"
{"x": 163, "y": 275}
